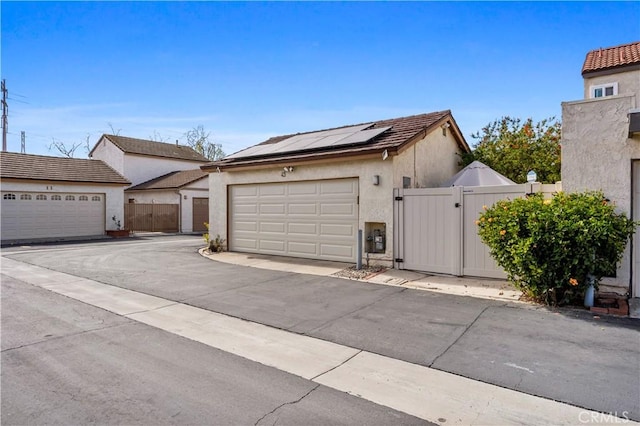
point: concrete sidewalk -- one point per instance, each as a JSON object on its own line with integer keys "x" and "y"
{"x": 424, "y": 392}
{"x": 459, "y": 286}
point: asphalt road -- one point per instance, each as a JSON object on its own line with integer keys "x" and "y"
{"x": 565, "y": 355}
{"x": 65, "y": 362}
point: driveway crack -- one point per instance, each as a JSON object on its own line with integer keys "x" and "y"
{"x": 386, "y": 296}
{"x": 460, "y": 336}
{"x": 286, "y": 403}
{"x": 63, "y": 337}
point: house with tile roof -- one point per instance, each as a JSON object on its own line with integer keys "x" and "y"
{"x": 47, "y": 198}
{"x": 601, "y": 143}
{"x": 160, "y": 174}
{"x": 307, "y": 194}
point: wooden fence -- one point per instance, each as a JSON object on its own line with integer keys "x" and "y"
{"x": 151, "y": 217}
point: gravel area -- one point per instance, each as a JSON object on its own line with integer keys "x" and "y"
{"x": 352, "y": 273}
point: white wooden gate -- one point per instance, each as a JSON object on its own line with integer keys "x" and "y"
{"x": 435, "y": 228}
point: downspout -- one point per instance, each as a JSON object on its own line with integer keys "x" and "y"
{"x": 179, "y": 212}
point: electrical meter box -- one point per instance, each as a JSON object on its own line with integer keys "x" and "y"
{"x": 376, "y": 237}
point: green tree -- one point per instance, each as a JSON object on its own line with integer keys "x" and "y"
{"x": 512, "y": 148}
{"x": 198, "y": 139}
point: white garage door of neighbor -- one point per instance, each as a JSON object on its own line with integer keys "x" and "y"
{"x": 310, "y": 219}
{"x": 31, "y": 215}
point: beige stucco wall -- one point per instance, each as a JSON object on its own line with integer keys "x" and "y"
{"x": 139, "y": 168}
{"x": 168, "y": 196}
{"x": 429, "y": 162}
{"x": 628, "y": 82}
{"x": 114, "y": 195}
{"x": 597, "y": 154}
{"x": 106, "y": 151}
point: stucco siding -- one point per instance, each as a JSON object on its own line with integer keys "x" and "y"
{"x": 138, "y": 168}
{"x": 114, "y": 195}
{"x": 186, "y": 222}
{"x": 429, "y": 162}
{"x": 597, "y": 155}
{"x": 376, "y": 201}
{"x": 110, "y": 154}
{"x": 169, "y": 196}
{"x": 628, "y": 82}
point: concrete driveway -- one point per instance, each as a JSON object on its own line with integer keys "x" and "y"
{"x": 565, "y": 355}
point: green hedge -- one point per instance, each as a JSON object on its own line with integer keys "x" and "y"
{"x": 547, "y": 247}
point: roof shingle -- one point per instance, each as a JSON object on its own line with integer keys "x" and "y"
{"x": 612, "y": 57}
{"x": 155, "y": 149}
{"x": 40, "y": 167}
{"x": 173, "y": 180}
{"x": 403, "y": 130}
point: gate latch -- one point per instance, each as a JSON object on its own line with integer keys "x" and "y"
{"x": 457, "y": 205}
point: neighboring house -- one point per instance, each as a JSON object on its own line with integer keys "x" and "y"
{"x": 142, "y": 160}
{"x": 152, "y": 167}
{"x": 56, "y": 198}
{"x": 189, "y": 189}
{"x": 601, "y": 143}
{"x": 307, "y": 194}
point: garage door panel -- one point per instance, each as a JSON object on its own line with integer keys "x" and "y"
{"x": 246, "y": 243}
{"x": 336, "y": 251}
{"x": 244, "y": 209}
{"x": 245, "y": 191}
{"x": 303, "y": 188}
{"x": 273, "y": 246}
{"x": 303, "y": 228}
{"x": 303, "y": 209}
{"x": 297, "y": 248}
{"x": 275, "y": 209}
{"x": 312, "y": 219}
{"x": 338, "y": 230}
{"x": 246, "y": 226}
{"x": 338, "y": 209}
{"x": 339, "y": 187}
{"x": 275, "y": 227}
{"x": 272, "y": 190}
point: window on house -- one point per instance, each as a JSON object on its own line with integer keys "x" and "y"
{"x": 83, "y": 198}
{"x": 25, "y": 196}
{"x": 56, "y": 198}
{"x": 602, "y": 90}
{"x": 95, "y": 198}
{"x": 41, "y": 197}
{"x": 70, "y": 198}
{"x": 9, "y": 196}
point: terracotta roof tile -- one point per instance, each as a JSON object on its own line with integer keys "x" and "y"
{"x": 612, "y": 57}
{"x": 39, "y": 167}
{"x": 155, "y": 149}
{"x": 173, "y": 180}
{"x": 402, "y": 131}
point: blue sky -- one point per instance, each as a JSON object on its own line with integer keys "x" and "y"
{"x": 248, "y": 71}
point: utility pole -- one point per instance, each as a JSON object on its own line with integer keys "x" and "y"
{"x": 5, "y": 112}
{"x": 23, "y": 148}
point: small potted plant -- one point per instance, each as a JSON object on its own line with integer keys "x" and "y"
{"x": 118, "y": 232}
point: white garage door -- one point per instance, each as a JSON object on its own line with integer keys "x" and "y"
{"x": 31, "y": 215}
{"x": 312, "y": 219}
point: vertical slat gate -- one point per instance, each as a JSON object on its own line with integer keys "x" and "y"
{"x": 151, "y": 217}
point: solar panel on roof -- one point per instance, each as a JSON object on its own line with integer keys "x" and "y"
{"x": 351, "y": 135}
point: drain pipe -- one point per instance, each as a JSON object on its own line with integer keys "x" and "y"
{"x": 359, "y": 255}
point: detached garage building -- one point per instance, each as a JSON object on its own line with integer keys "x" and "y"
{"x": 51, "y": 197}
{"x": 307, "y": 194}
